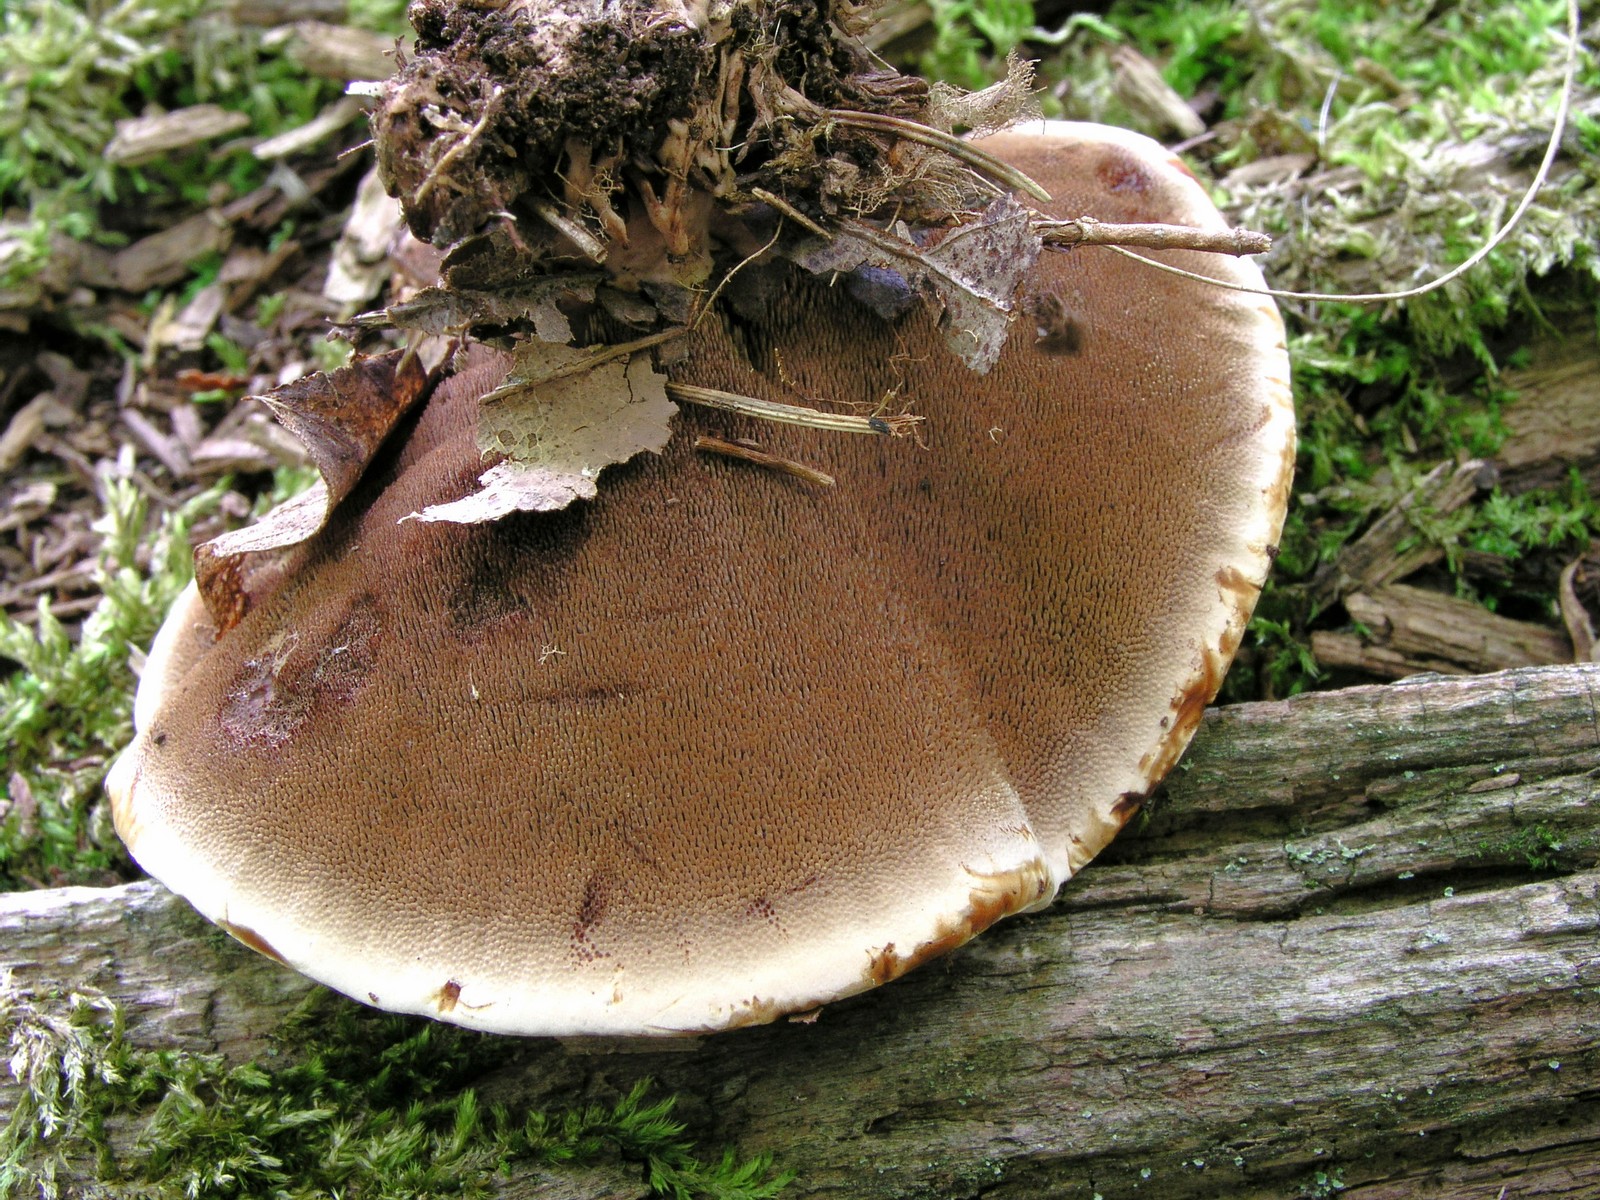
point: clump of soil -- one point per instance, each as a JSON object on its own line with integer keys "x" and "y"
{"x": 593, "y": 173}
{"x": 578, "y": 128}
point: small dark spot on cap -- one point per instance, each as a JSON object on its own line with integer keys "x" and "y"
{"x": 159, "y": 739}
{"x": 591, "y": 910}
{"x": 373, "y": 996}
{"x": 485, "y": 596}
{"x": 1059, "y": 332}
{"x": 596, "y": 895}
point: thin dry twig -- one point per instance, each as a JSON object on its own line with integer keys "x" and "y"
{"x": 580, "y": 237}
{"x": 790, "y": 211}
{"x": 792, "y": 414}
{"x": 1086, "y": 231}
{"x": 749, "y": 454}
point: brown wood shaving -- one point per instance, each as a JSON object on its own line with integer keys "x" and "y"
{"x": 749, "y": 454}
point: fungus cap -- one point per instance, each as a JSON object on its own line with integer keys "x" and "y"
{"x": 721, "y": 746}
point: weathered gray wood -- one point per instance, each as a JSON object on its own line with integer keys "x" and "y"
{"x": 1392, "y": 549}
{"x": 1355, "y": 941}
{"x": 1554, "y": 427}
{"x": 1406, "y": 630}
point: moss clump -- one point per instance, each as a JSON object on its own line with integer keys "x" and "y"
{"x": 71, "y": 69}
{"x": 68, "y": 706}
{"x": 367, "y": 1106}
{"x": 1538, "y": 847}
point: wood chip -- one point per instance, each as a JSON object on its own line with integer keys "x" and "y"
{"x": 165, "y": 257}
{"x": 1275, "y": 168}
{"x": 1554, "y": 425}
{"x": 360, "y": 265}
{"x": 68, "y": 381}
{"x": 194, "y": 322}
{"x": 166, "y": 450}
{"x": 27, "y": 503}
{"x": 145, "y": 139}
{"x": 321, "y": 127}
{"x": 1138, "y": 83}
{"x": 1410, "y": 630}
{"x": 336, "y": 51}
{"x": 23, "y": 430}
{"x": 1579, "y": 595}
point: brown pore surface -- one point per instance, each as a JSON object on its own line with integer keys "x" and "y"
{"x": 722, "y": 745}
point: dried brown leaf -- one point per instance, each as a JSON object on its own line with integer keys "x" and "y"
{"x": 341, "y": 418}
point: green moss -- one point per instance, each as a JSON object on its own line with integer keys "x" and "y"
{"x": 70, "y": 69}
{"x": 1323, "y": 1185}
{"x": 67, "y": 705}
{"x": 366, "y": 1106}
{"x": 1511, "y": 526}
{"x": 1539, "y": 847}
{"x": 970, "y": 36}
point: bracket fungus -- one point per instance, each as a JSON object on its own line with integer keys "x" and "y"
{"x": 719, "y": 744}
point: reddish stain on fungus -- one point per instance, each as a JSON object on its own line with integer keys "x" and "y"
{"x": 447, "y": 996}
{"x": 596, "y": 896}
{"x": 763, "y": 909}
{"x": 1123, "y": 173}
{"x": 999, "y": 896}
{"x": 1127, "y": 806}
{"x": 254, "y": 940}
{"x": 1177, "y": 164}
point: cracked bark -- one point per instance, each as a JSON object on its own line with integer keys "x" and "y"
{"x": 1355, "y": 942}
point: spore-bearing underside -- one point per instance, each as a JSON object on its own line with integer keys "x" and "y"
{"x": 714, "y": 745}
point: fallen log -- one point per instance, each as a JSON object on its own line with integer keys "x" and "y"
{"x": 1352, "y": 948}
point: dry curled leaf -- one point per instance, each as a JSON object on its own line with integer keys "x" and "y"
{"x": 341, "y": 418}
{"x": 552, "y": 436}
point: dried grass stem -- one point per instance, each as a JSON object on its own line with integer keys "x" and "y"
{"x": 792, "y": 414}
